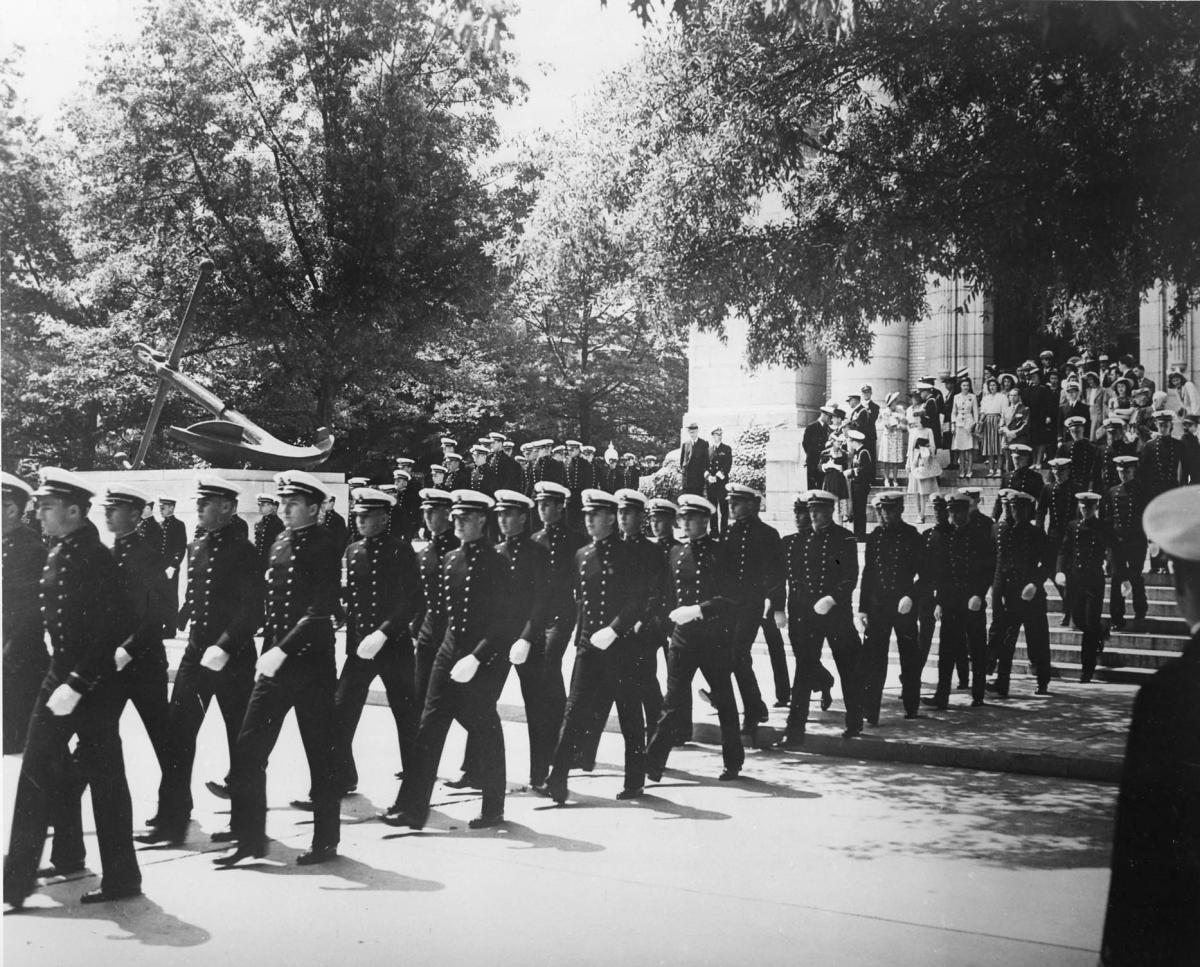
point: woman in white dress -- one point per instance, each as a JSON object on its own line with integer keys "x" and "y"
{"x": 923, "y": 466}
{"x": 890, "y": 429}
{"x": 963, "y": 421}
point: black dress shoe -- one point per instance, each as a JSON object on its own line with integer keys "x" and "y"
{"x": 851, "y": 733}
{"x": 729, "y": 775}
{"x": 15, "y": 900}
{"x": 153, "y": 821}
{"x": 976, "y": 702}
{"x": 936, "y": 702}
{"x": 462, "y": 782}
{"x": 318, "y": 854}
{"x": 912, "y": 715}
{"x": 402, "y": 819}
{"x": 873, "y": 722}
{"x": 558, "y": 793}
{"x": 1042, "y": 690}
{"x": 162, "y": 834}
{"x": 239, "y": 854}
{"x": 306, "y": 805}
{"x": 790, "y": 741}
{"x": 486, "y": 822}
{"x": 654, "y": 775}
{"x": 783, "y": 703}
{"x": 218, "y": 789}
{"x": 826, "y": 699}
{"x": 223, "y": 836}
{"x": 631, "y": 793}
{"x": 107, "y": 896}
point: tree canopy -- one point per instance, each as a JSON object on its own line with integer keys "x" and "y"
{"x": 1019, "y": 146}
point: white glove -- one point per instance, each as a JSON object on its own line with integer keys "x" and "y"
{"x": 121, "y": 658}
{"x": 861, "y": 618}
{"x": 686, "y": 614}
{"x": 464, "y": 669}
{"x": 171, "y": 574}
{"x": 781, "y": 620}
{"x": 1028, "y": 592}
{"x": 825, "y": 605}
{"x": 1126, "y": 588}
{"x": 937, "y": 613}
{"x": 766, "y": 609}
{"x": 975, "y": 603}
{"x": 1060, "y": 578}
{"x": 370, "y": 646}
{"x": 62, "y": 700}
{"x": 519, "y": 652}
{"x": 602, "y": 640}
{"x": 214, "y": 658}
{"x": 904, "y": 606}
{"x": 269, "y": 662}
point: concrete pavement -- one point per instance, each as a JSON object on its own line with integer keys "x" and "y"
{"x": 809, "y": 857}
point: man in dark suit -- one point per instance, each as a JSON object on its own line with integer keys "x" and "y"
{"x": 693, "y": 460}
{"x": 816, "y": 436}
{"x": 867, "y": 424}
{"x": 1190, "y": 446}
{"x": 1154, "y": 892}
{"x": 720, "y": 462}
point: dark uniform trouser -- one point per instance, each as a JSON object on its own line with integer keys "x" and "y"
{"x": 41, "y": 788}
{"x": 881, "y": 621}
{"x": 858, "y": 507}
{"x": 713, "y": 658}
{"x": 718, "y": 523}
{"x": 423, "y": 658}
{"x": 1031, "y": 614}
{"x": 473, "y": 705}
{"x": 195, "y": 687}
{"x": 964, "y": 635}
{"x": 1056, "y": 541}
{"x": 998, "y": 631}
{"x": 599, "y": 679}
{"x": 25, "y": 667}
{"x": 1128, "y": 557}
{"x": 1087, "y": 605}
{"x": 543, "y": 718}
{"x": 746, "y": 622}
{"x": 395, "y": 665}
{"x": 808, "y": 636}
{"x": 144, "y": 683}
{"x": 306, "y": 683}
{"x": 646, "y": 661}
{"x": 779, "y": 668}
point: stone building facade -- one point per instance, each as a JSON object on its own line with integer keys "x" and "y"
{"x": 957, "y": 332}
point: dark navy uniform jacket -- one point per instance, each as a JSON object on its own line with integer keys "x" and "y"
{"x": 224, "y": 592}
{"x": 303, "y": 585}
{"x": 429, "y": 563}
{"x": 84, "y": 610}
{"x": 383, "y": 590}
{"x": 144, "y": 581}
{"x": 24, "y": 558}
{"x": 895, "y": 567}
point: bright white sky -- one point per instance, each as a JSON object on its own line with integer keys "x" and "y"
{"x": 564, "y": 47}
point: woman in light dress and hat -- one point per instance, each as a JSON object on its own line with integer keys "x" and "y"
{"x": 835, "y": 461}
{"x": 964, "y": 419}
{"x": 890, "y": 431}
{"x": 922, "y": 464}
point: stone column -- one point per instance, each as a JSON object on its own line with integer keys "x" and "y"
{"x": 886, "y": 371}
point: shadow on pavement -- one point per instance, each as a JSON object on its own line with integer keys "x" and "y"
{"x": 282, "y": 862}
{"x": 145, "y": 920}
{"x": 1008, "y": 821}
